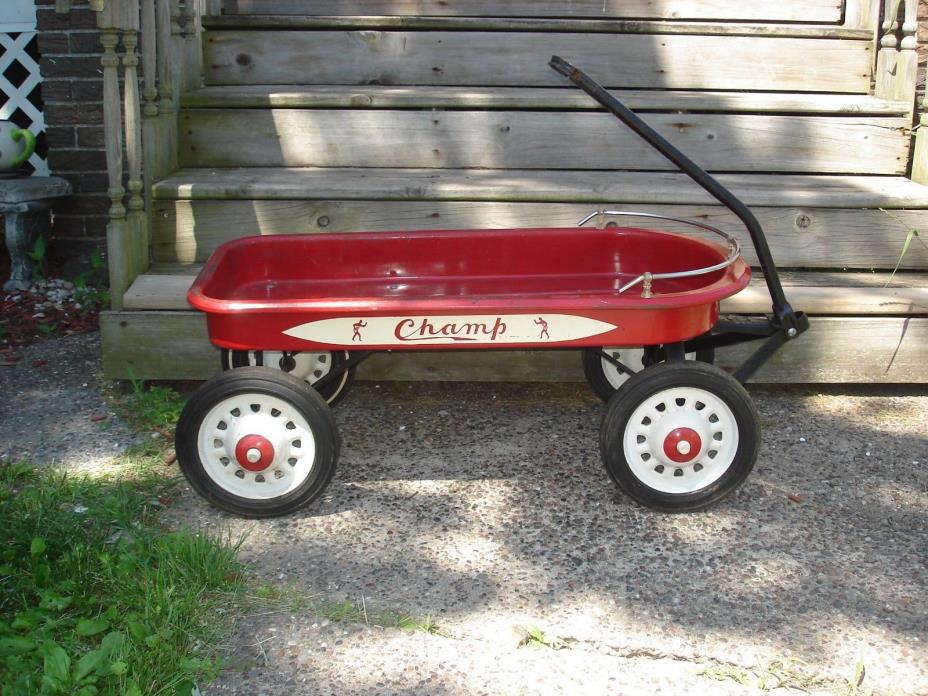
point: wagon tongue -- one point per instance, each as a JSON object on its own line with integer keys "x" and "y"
{"x": 786, "y": 323}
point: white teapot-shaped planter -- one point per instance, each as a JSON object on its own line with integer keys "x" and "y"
{"x": 13, "y": 153}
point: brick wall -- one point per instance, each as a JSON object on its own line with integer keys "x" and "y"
{"x": 73, "y": 94}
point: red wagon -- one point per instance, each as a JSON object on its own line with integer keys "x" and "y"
{"x": 295, "y": 314}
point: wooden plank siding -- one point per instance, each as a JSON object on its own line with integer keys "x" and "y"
{"x": 521, "y": 59}
{"x": 189, "y": 231}
{"x": 150, "y": 345}
{"x": 537, "y": 185}
{"x": 729, "y": 10}
{"x": 321, "y": 116}
{"x": 817, "y": 293}
{"x": 537, "y": 98}
{"x": 537, "y": 25}
{"x": 536, "y": 140}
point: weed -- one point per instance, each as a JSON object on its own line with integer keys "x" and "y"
{"x": 154, "y": 408}
{"x": 351, "y": 611}
{"x": 94, "y": 276}
{"x": 37, "y": 255}
{"x": 95, "y": 598}
{"x": 910, "y": 236}
{"x": 537, "y": 638}
{"x": 789, "y": 673}
{"x": 46, "y": 329}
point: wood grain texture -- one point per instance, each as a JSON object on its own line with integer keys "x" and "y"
{"x": 535, "y": 24}
{"x": 561, "y": 99}
{"x": 847, "y": 296}
{"x": 784, "y": 10}
{"x": 537, "y": 140}
{"x": 174, "y": 345}
{"x": 188, "y": 232}
{"x": 482, "y": 58}
{"x": 539, "y": 186}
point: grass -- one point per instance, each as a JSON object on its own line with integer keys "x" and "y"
{"x": 96, "y": 598}
{"x": 153, "y": 408}
{"x": 791, "y": 673}
{"x": 352, "y": 611}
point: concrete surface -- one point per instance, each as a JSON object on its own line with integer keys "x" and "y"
{"x": 486, "y": 507}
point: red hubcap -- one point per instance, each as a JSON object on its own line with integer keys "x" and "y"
{"x": 254, "y": 453}
{"x": 682, "y": 445}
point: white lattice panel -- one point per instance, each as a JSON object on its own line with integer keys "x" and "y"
{"x": 20, "y": 97}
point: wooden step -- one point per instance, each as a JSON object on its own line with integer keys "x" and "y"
{"x": 548, "y": 98}
{"x": 596, "y": 187}
{"x": 174, "y": 345}
{"x": 726, "y": 27}
{"x": 520, "y": 58}
{"x": 165, "y": 288}
{"x": 189, "y": 231}
{"x": 538, "y": 140}
{"x": 758, "y": 10}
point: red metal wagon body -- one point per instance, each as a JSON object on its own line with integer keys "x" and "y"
{"x": 294, "y": 314}
{"x": 512, "y": 288}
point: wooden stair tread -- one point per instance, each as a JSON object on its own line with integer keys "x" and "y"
{"x": 565, "y": 99}
{"x": 314, "y": 183}
{"x": 725, "y": 10}
{"x": 165, "y": 288}
{"x": 531, "y": 24}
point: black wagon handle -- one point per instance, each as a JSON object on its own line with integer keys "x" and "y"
{"x": 788, "y": 320}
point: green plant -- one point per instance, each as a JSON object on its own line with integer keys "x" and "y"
{"x": 96, "y": 598}
{"x": 91, "y": 283}
{"x": 351, "y": 611}
{"x": 910, "y": 236}
{"x": 37, "y": 254}
{"x": 537, "y": 638}
{"x": 154, "y": 407}
{"x": 789, "y": 673}
{"x": 46, "y": 329}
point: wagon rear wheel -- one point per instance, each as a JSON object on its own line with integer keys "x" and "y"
{"x": 308, "y": 366}
{"x": 680, "y": 436}
{"x": 605, "y": 378}
{"x": 257, "y": 442}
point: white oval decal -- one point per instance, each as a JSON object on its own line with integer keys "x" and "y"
{"x": 474, "y": 329}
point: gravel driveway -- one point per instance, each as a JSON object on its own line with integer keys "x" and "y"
{"x": 486, "y": 507}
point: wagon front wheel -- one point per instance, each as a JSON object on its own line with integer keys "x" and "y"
{"x": 307, "y": 365}
{"x": 257, "y": 442}
{"x": 680, "y": 437}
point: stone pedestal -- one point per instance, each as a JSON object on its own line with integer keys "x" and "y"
{"x": 24, "y": 204}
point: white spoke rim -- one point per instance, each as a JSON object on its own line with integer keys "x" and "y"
{"x": 309, "y": 367}
{"x": 660, "y": 419}
{"x": 275, "y": 420}
{"x": 631, "y": 358}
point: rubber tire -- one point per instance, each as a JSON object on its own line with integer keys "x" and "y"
{"x": 600, "y": 384}
{"x": 258, "y": 380}
{"x": 334, "y": 391}
{"x": 662, "y": 376}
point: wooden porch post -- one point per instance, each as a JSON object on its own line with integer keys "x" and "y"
{"x": 897, "y": 61}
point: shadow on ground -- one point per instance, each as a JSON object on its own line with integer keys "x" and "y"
{"x": 487, "y": 506}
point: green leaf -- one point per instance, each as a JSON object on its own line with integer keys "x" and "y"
{"x": 118, "y": 668}
{"x": 14, "y": 645}
{"x": 138, "y": 630}
{"x": 57, "y": 663}
{"x": 133, "y": 690}
{"x": 37, "y": 548}
{"x": 90, "y": 662}
{"x": 91, "y": 627}
{"x": 112, "y": 642}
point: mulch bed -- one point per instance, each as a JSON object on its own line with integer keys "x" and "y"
{"x": 19, "y": 325}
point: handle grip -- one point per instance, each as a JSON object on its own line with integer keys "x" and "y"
{"x": 23, "y": 134}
